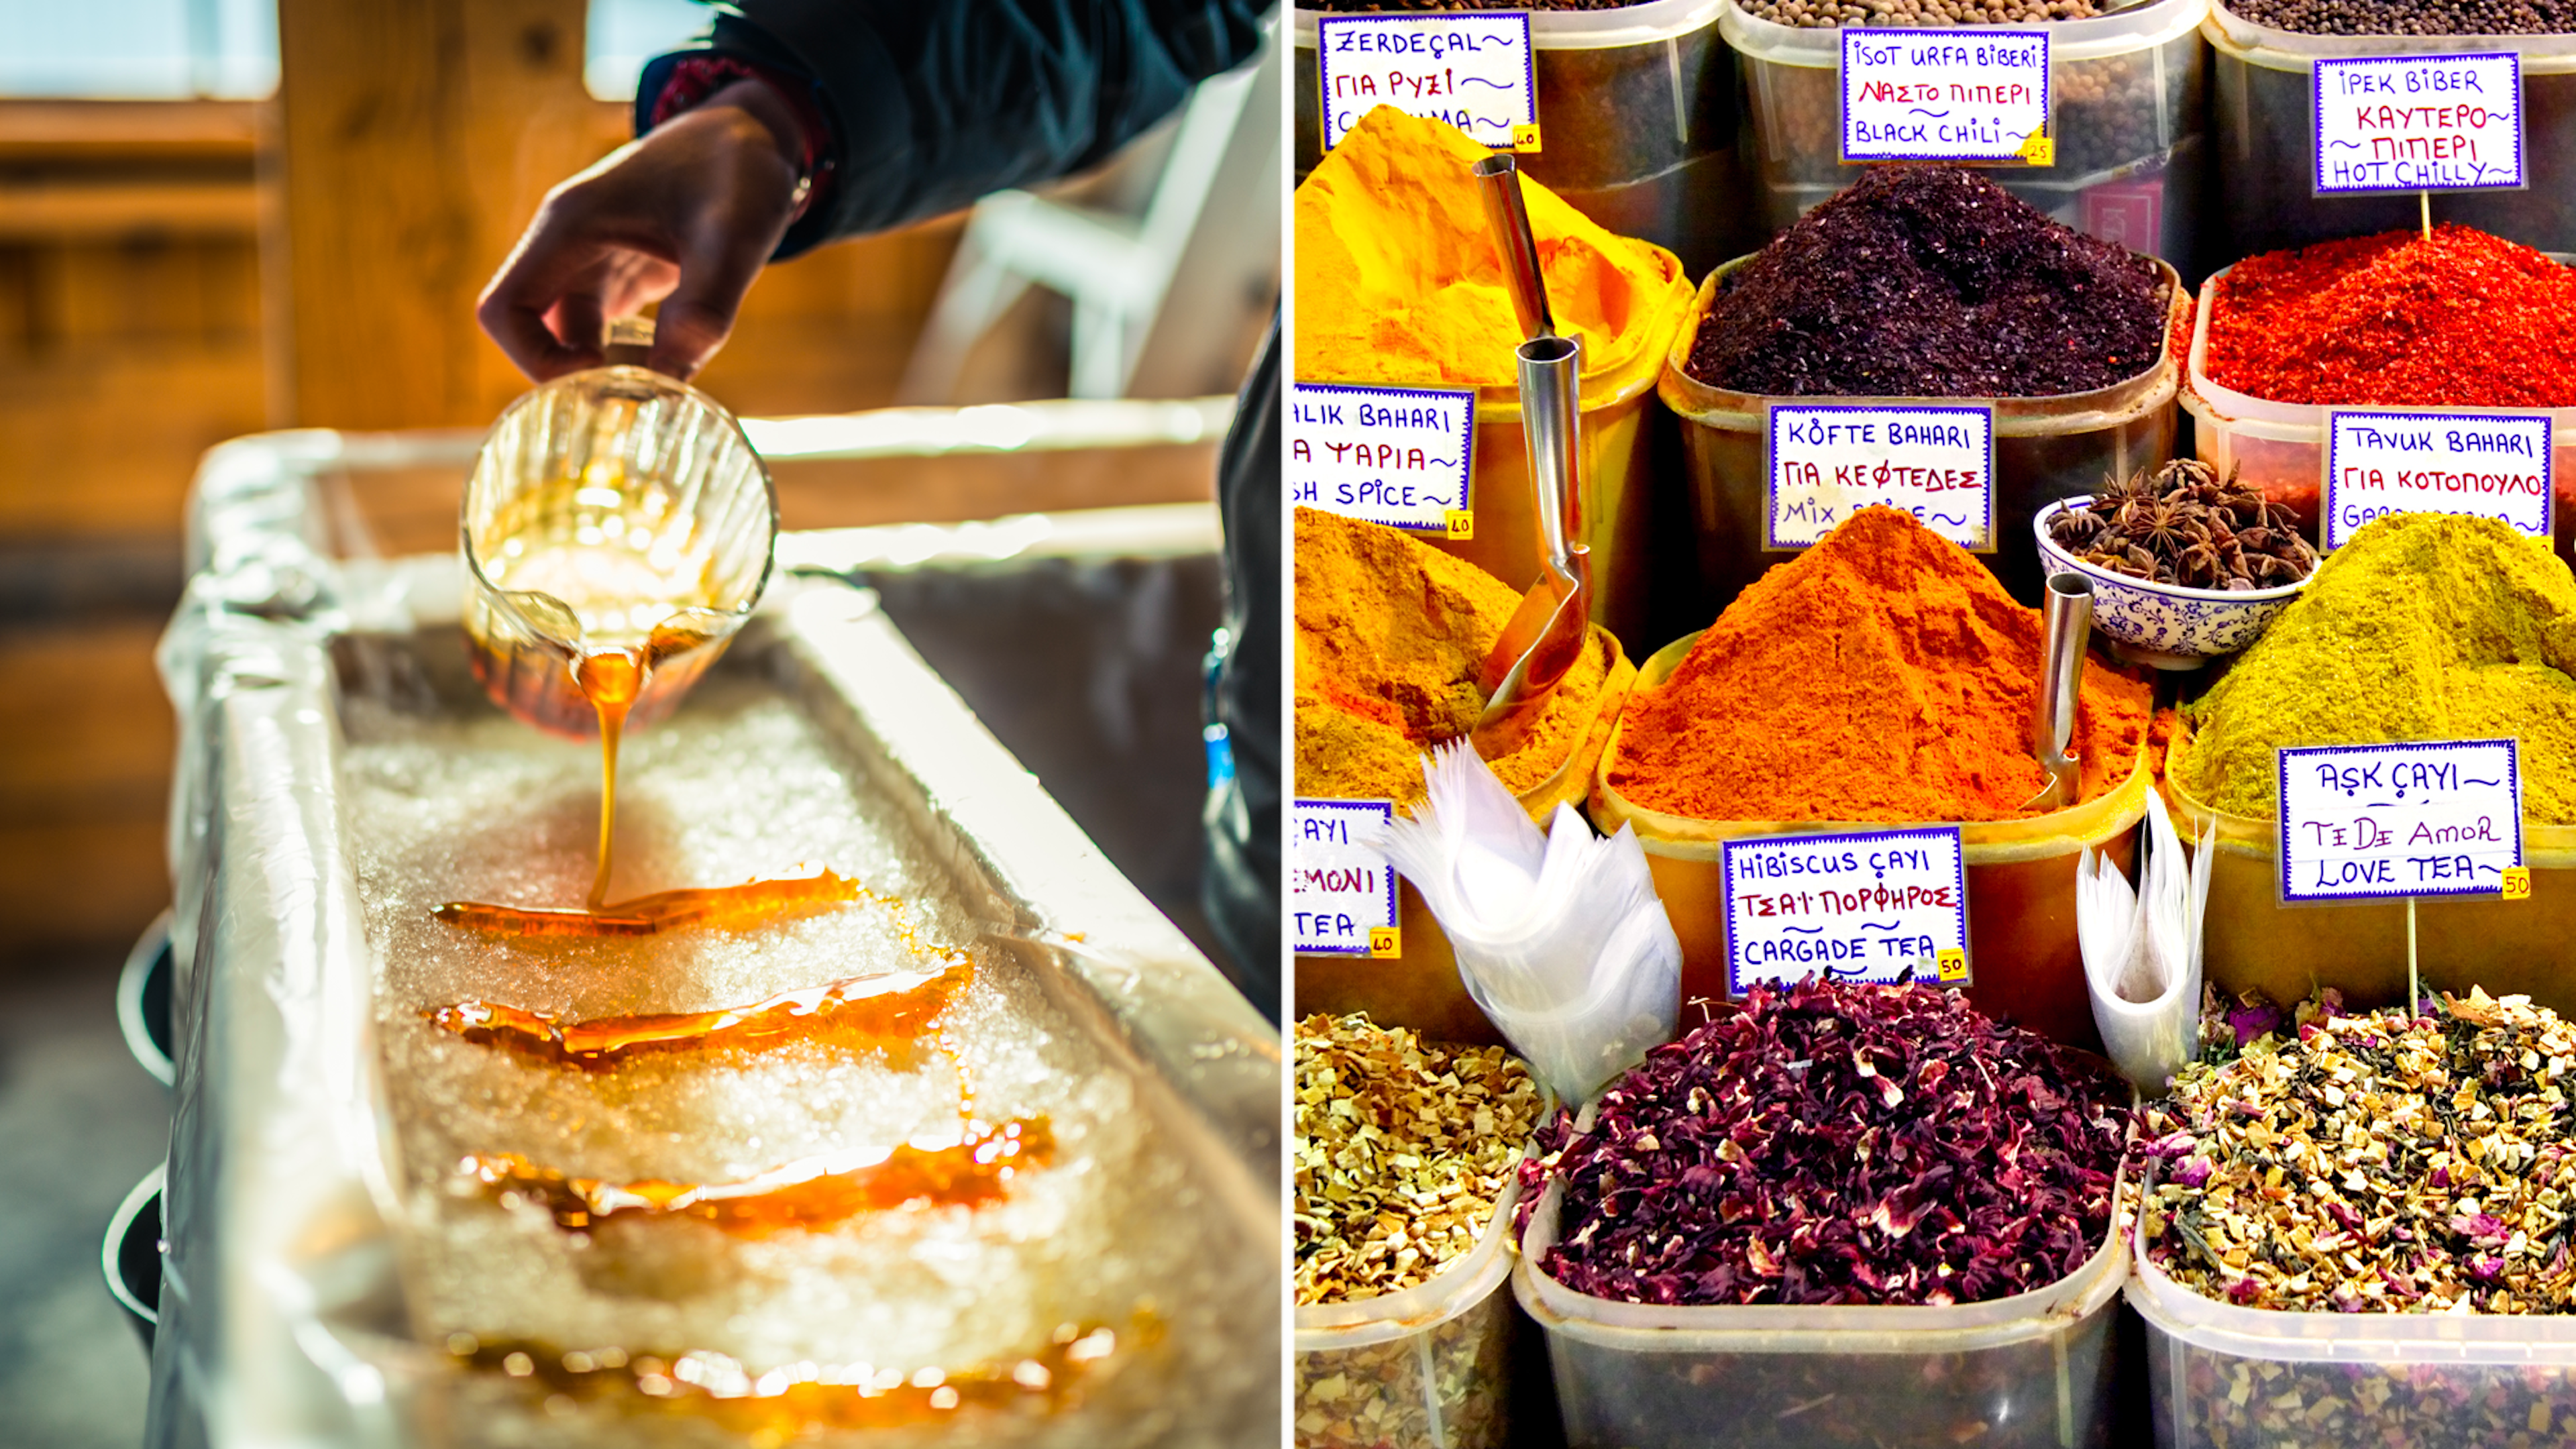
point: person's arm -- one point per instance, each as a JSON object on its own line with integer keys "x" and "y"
{"x": 922, "y": 106}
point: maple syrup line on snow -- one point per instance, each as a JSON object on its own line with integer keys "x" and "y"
{"x": 774, "y": 1405}
{"x": 863, "y": 1011}
{"x": 815, "y": 1192}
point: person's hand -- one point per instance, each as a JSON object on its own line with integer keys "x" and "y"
{"x": 685, "y": 216}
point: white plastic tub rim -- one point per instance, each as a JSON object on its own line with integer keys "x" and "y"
{"x": 2122, "y": 32}
{"x": 2245, "y": 415}
{"x": 2238, "y": 39}
{"x": 1772, "y": 1328}
{"x": 1650, "y": 23}
{"x": 2138, "y": 395}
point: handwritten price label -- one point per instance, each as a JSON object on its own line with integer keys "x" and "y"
{"x": 2488, "y": 465}
{"x": 1340, "y": 893}
{"x": 1881, "y": 905}
{"x": 1826, "y": 461}
{"x": 2383, "y": 822}
{"x": 1946, "y": 95}
{"x": 1392, "y": 455}
{"x": 1471, "y": 71}
{"x": 2418, "y": 123}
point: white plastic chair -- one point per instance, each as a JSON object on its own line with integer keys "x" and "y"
{"x": 1116, "y": 269}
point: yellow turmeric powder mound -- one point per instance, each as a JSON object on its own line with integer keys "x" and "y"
{"x": 1398, "y": 281}
{"x": 1390, "y": 635}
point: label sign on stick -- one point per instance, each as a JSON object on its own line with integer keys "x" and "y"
{"x": 2486, "y": 465}
{"x": 2418, "y": 123}
{"x": 1881, "y": 905}
{"x": 1391, "y": 455}
{"x": 1825, "y": 461}
{"x": 2376, "y": 822}
{"x": 1471, "y": 71}
{"x": 1946, "y": 95}
{"x": 1339, "y": 891}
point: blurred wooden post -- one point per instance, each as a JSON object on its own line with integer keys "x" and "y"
{"x": 414, "y": 139}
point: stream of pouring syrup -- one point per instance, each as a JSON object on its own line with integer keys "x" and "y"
{"x": 610, "y": 681}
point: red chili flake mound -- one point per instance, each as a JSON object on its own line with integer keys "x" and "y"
{"x": 2463, "y": 320}
{"x": 1929, "y": 281}
{"x": 1835, "y": 1143}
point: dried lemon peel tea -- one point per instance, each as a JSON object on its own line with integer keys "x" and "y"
{"x": 1404, "y": 1149}
{"x": 2383, "y": 1163}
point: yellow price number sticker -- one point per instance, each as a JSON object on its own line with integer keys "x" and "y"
{"x": 2039, "y": 149}
{"x": 2517, "y": 882}
{"x": 1525, "y": 138}
{"x": 1461, "y": 523}
{"x": 1386, "y": 941}
{"x": 1952, "y": 963}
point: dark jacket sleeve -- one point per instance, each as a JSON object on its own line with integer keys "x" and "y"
{"x": 934, "y": 103}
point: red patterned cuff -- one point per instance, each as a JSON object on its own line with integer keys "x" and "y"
{"x": 697, "y": 77}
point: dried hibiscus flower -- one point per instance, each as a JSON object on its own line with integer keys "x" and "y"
{"x": 1839, "y": 1143}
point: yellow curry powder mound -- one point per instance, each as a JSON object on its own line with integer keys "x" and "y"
{"x": 1398, "y": 281}
{"x": 1390, "y": 635}
{"x": 2421, "y": 627}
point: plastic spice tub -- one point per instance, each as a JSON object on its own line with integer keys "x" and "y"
{"x": 2235, "y": 1378}
{"x": 2256, "y": 943}
{"x": 2263, "y": 144}
{"x": 1427, "y": 1368}
{"x": 2035, "y": 1369}
{"x": 2130, "y": 95}
{"x": 1419, "y": 988}
{"x": 2280, "y": 447}
{"x": 1637, "y": 123}
{"x": 2023, "y": 959}
{"x": 2046, "y": 448}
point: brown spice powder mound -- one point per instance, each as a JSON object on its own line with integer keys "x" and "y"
{"x": 1883, "y": 674}
{"x": 1390, "y": 635}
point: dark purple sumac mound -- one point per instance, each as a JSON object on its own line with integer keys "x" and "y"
{"x": 1840, "y": 1144}
{"x": 1925, "y": 281}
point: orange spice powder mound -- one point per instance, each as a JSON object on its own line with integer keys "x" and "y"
{"x": 1883, "y": 674}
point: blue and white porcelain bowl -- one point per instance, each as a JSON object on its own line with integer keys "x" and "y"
{"x": 2164, "y": 625}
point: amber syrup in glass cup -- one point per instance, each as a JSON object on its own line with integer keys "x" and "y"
{"x": 617, "y": 531}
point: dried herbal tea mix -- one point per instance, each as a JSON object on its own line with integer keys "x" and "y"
{"x": 2181, "y": 525}
{"x": 1404, "y": 1148}
{"x": 2384, "y": 1163}
{"x": 1838, "y": 1143}
{"x": 1929, "y": 281}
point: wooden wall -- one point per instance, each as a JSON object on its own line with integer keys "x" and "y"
{"x": 174, "y": 274}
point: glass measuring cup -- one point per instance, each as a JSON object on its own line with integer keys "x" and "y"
{"x": 617, "y": 531}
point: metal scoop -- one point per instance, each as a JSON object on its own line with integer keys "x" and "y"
{"x": 1547, "y": 633}
{"x": 2065, "y": 621}
{"x": 1550, "y": 629}
{"x": 1498, "y": 180}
